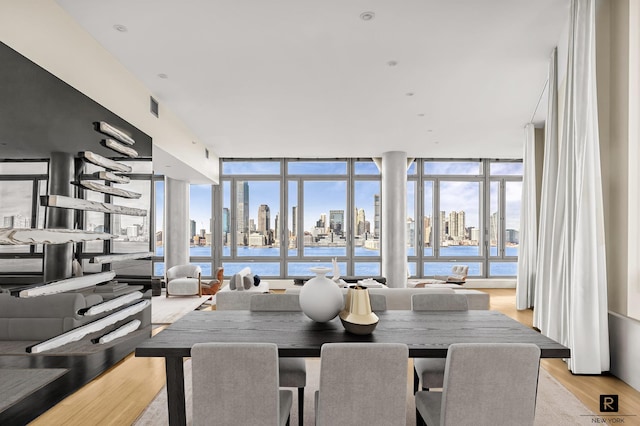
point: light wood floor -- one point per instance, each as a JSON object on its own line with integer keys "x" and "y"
{"x": 118, "y": 396}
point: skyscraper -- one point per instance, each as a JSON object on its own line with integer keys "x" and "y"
{"x": 376, "y": 215}
{"x": 192, "y": 228}
{"x": 294, "y": 220}
{"x": 242, "y": 211}
{"x": 360, "y": 222}
{"x": 264, "y": 219}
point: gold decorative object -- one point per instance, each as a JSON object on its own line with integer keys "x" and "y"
{"x": 357, "y": 317}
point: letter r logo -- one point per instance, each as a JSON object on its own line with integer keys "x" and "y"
{"x": 608, "y": 403}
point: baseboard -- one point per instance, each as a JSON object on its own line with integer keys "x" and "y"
{"x": 624, "y": 348}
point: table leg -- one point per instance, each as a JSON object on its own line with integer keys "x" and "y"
{"x": 175, "y": 391}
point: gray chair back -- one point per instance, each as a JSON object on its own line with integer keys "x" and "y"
{"x": 439, "y": 302}
{"x": 490, "y": 384}
{"x": 237, "y": 384}
{"x": 362, "y": 384}
{"x": 275, "y": 302}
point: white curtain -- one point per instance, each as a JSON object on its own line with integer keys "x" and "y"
{"x": 547, "y": 228}
{"x": 527, "y": 253}
{"x": 577, "y": 315}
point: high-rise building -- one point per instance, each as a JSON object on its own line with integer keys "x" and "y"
{"x": 360, "y": 222}
{"x": 117, "y": 224}
{"x": 276, "y": 226}
{"x": 242, "y": 212}
{"x": 457, "y": 229}
{"x": 336, "y": 221}
{"x": 294, "y": 220}
{"x": 443, "y": 226}
{"x": 493, "y": 229}
{"x": 411, "y": 232}
{"x": 427, "y": 230}
{"x": 376, "y": 215}
{"x": 225, "y": 220}
{"x": 192, "y": 229}
{"x": 264, "y": 219}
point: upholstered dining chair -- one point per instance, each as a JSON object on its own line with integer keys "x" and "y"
{"x": 184, "y": 280}
{"x": 237, "y": 384}
{"x": 429, "y": 372}
{"x": 362, "y": 384}
{"x": 484, "y": 384}
{"x": 293, "y": 371}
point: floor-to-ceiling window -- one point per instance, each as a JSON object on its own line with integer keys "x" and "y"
{"x": 463, "y": 211}
{"x": 21, "y": 185}
{"x": 282, "y": 216}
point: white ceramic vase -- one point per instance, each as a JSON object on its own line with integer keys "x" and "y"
{"x": 320, "y": 298}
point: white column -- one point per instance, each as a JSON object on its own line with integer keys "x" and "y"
{"x": 394, "y": 218}
{"x": 176, "y": 222}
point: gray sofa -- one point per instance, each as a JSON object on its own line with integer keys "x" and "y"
{"x": 397, "y": 298}
{"x": 40, "y": 318}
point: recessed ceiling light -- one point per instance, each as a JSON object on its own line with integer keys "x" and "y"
{"x": 193, "y": 142}
{"x": 422, "y": 115}
{"x": 167, "y": 166}
{"x": 429, "y": 130}
{"x": 163, "y": 75}
{"x": 367, "y": 16}
{"x": 121, "y": 28}
{"x": 392, "y": 63}
{"x": 410, "y": 93}
{"x": 437, "y": 143}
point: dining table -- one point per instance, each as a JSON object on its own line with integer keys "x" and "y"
{"x": 427, "y": 334}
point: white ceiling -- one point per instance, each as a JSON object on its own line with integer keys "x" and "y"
{"x": 300, "y": 78}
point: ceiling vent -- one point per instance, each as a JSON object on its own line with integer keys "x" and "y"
{"x": 154, "y": 106}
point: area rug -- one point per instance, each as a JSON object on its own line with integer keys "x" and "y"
{"x": 166, "y": 310}
{"x": 555, "y": 405}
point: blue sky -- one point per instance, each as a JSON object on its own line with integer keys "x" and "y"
{"x": 322, "y": 196}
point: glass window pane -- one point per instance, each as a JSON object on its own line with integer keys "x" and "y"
{"x": 325, "y": 204}
{"x": 411, "y": 267}
{"x": 251, "y": 167}
{"x": 506, "y": 169}
{"x": 494, "y": 218}
{"x": 411, "y": 214}
{"x": 159, "y": 232}
{"x": 200, "y": 220}
{"x": 453, "y": 167}
{"x": 428, "y": 217}
{"x": 513, "y": 197}
{"x": 413, "y": 168}
{"x": 302, "y": 269}
{"x": 366, "y": 168}
{"x": 16, "y": 200}
{"x": 262, "y": 269}
{"x": 503, "y": 269}
{"x": 158, "y": 269}
{"x": 367, "y": 269}
{"x": 367, "y": 209}
{"x": 459, "y": 218}
{"x": 257, "y": 215}
{"x": 317, "y": 167}
{"x": 204, "y": 266}
{"x": 293, "y": 226}
{"x": 132, "y": 231}
{"x": 24, "y": 168}
{"x": 443, "y": 269}
{"x": 94, "y": 221}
